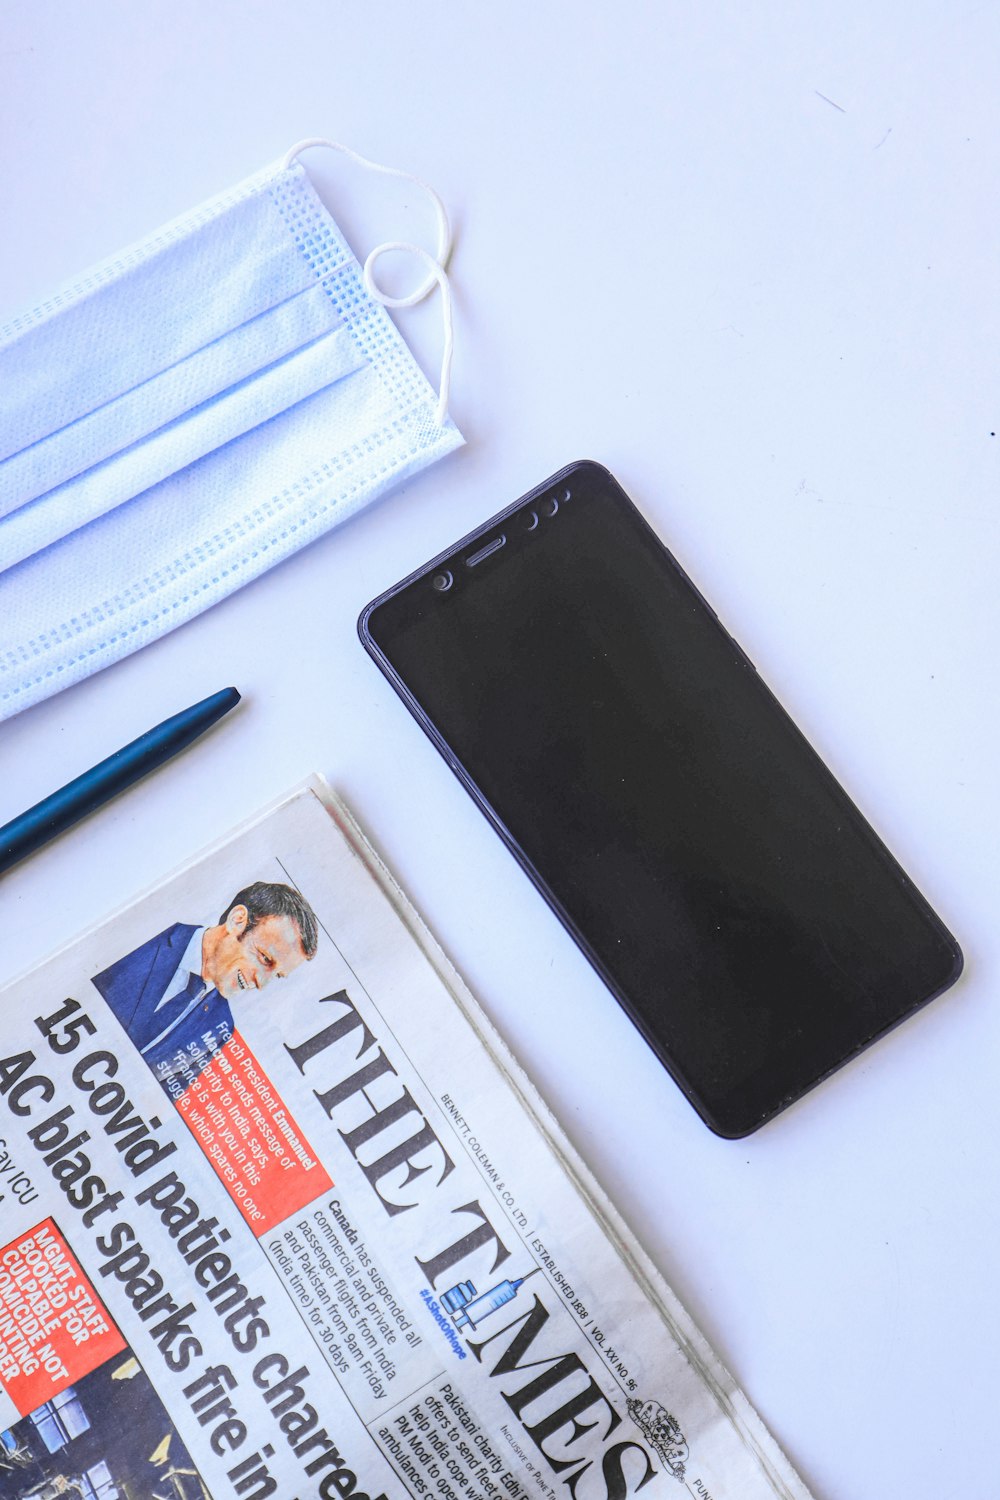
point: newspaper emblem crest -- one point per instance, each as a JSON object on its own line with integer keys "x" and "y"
{"x": 663, "y": 1433}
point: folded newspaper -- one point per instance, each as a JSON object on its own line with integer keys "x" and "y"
{"x": 318, "y": 1237}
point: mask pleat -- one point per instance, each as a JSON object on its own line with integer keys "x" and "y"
{"x": 95, "y": 342}
{"x": 176, "y": 446}
{"x": 164, "y": 398}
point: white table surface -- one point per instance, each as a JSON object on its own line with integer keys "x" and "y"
{"x": 745, "y": 255}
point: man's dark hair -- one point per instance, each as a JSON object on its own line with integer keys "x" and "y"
{"x": 266, "y": 899}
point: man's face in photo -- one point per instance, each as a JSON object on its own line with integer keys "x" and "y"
{"x": 247, "y": 959}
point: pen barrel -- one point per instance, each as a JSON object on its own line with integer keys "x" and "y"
{"x": 60, "y": 811}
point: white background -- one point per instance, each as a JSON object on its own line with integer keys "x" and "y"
{"x": 746, "y": 256}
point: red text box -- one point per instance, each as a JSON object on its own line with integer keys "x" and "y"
{"x": 257, "y": 1150}
{"x": 54, "y": 1329}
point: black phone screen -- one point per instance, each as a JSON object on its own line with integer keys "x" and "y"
{"x": 714, "y": 872}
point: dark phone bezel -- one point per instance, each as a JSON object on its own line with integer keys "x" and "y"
{"x": 591, "y": 473}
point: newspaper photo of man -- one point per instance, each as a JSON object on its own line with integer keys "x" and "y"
{"x": 173, "y": 993}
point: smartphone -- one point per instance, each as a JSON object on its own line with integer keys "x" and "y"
{"x": 721, "y": 882}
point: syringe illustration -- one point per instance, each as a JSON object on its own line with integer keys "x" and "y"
{"x": 466, "y": 1309}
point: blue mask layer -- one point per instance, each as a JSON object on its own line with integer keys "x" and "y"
{"x": 185, "y": 416}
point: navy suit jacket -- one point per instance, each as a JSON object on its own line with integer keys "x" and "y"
{"x": 134, "y": 987}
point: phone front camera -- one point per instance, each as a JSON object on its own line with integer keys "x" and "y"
{"x": 442, "y": 582}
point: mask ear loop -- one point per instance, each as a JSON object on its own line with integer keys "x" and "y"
{"x": 438, "y": 277}
{"x": 436, "y": 264}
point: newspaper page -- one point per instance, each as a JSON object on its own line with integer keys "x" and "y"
{"x": 279, "y": 1215}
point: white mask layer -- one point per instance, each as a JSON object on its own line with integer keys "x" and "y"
{"x": 188, "y": 414}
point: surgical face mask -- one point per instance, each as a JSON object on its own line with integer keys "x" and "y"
{"x": 191, "y": 412}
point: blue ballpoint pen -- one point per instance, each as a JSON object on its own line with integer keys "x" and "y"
{"x": 53, "y": 815}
